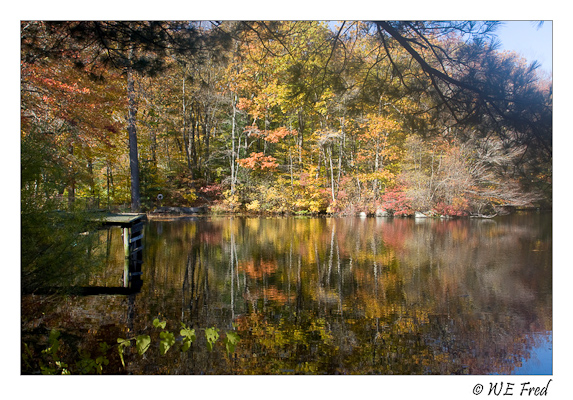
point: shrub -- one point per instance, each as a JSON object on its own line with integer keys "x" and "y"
{"x": 396, "y": 202}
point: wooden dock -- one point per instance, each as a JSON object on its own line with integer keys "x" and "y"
{"x": 132, "y": 226}
{"x": 125, "y": 220}
{"x": 132, "y": 233}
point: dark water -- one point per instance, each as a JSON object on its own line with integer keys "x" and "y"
{"x": 330, "y": 296}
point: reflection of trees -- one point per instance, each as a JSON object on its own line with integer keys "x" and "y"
{"x": 396, "y": 296}
{"x": 431, "y": 297}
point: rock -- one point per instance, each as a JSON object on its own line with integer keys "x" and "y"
{"x": 483, "y": 216}
{"x": 381, "y": 213}
{"x": 164, "y": 210}
{"x": 362, "y": 214}
{"x": 418, "y": 214}
{"x": 180, "y": 210}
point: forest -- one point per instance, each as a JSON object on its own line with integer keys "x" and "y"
{"x": 288, "y": 117}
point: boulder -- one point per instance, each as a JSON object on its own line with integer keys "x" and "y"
{"x": 418, "y": 214}
{"x": 193, "y": 210}
{"x": 179, "y": 210}
{"x": 165, "y": 210}
{"x": 381, "y": 213}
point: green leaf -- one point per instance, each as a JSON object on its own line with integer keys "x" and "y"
{"x": 122, "y": 343}
{"x": 231, "y": 341}
{"x": 61, "y": 365}
{"x": 188, "y": 333}
{"x": 158, "y": 324}
{"x": 186, "y": 345}
{"x": 104, "y": 347}
{"x": 142, "y": 342}
{"x": 212, "y": 335}
{"x": 54, "y": 344}
{"x": 54, "y": 335}
{"x": 102, "y": 360}
{"x": 120, "y": 351}
{"x": 167, "y": 340}
{"x": 188, "y": 337}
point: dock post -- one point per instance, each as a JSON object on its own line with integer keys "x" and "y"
{"x": 127, "y": 257}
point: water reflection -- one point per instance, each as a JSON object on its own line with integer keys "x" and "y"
{"x": 349, "y": 296}
{"x": 540, "y": 356}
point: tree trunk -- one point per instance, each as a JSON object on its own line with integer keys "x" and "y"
{"x": 185, "y": 136}
{"x": 340, "y": 152}
{"x": 376, "y": 166}
{"x": 300, "y": 138}
{"x": 331, "y": 173}
{"x": 108, "y": 181}
{"x": 193, "y": 148}
{"x": 131, "y": 129}
{"x": 207, "y": 129}
{"x": 290, "y": 168}
{"x": 71, "y": 178}
{"x": 153, "y": 137}
{"x": 169, "y": 167}
{"x": 91, "y": 177}
{"x": 233, "y": 175}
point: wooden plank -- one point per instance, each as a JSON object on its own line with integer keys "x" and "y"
{"x": 124, "y": 220}
{"x": 137, "y": 228}
{"x": 126, "y": 242}
{"x": 136, "y": 238}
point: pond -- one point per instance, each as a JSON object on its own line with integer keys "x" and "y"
{"x": 323, "y": 296}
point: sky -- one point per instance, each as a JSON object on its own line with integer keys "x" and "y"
{"x": 529, "y": 40}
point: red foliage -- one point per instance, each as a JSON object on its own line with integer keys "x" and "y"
{"x": 275, "y": 135}
{"x": 252, "y": 130}
{"x": 213, "y": 190}
{"x": 457, "y": 209}
{"x": 258, "y": 269}
{"x": 272, "y": 136}
{"x": 258, "y": 161}
{"x": 62, "y": 93}
{"x": 396, "y": 202}
{"x": 244, "y": 104}
{"x": 396, "y": 233}
{"x": 74, "y": 88}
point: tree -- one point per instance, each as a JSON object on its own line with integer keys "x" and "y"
{"x": 132, "y": 46}
{"x": 288, "y": 100}
{"x": 474, "y": 83}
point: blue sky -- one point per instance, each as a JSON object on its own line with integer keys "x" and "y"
{"x": 529, "y": 40}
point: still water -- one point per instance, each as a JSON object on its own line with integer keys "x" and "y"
{"x": 330, "y": 296}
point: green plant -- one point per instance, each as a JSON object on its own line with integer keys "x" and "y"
{"x": 212, "y": 335}
{"x": 49, "y": 362}
{"x": 188, "y": 336}
{"x": 231, "y": 341}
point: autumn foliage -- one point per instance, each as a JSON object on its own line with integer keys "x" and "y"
{"x": 258, "y": 161}
{"x": 281, "y": 121}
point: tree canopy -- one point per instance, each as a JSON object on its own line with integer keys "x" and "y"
{"x": 282, "y": 116}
